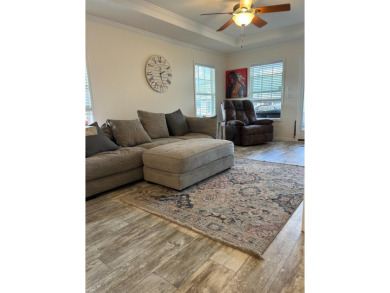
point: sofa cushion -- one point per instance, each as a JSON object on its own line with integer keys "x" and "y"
{"x": 159, "y": 141}
{"x": 113, "y": 162}
{"x": 177, "y": 124}
{"x": 154, "y": 124}
{"x": 206, "y": 125}
{"x": 192, "y": 135}
{"x": 128, "y": 132}
{"x": 95, "y": 144}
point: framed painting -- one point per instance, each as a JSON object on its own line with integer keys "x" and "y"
{"x": 236, "y": 83}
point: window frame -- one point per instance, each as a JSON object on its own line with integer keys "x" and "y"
{"x": 91, "y": 108}
{"x": 278, "y": 60}
{"x": 214, "y": 95}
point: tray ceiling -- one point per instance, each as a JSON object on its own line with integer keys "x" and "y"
{"x": 181, "y": 21}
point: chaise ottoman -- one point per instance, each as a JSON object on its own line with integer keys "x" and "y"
{"x": 181, "y": 164}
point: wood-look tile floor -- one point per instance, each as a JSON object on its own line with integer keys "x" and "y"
{"x": 129, "y": 250}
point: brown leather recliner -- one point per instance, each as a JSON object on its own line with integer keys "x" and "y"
{"x": 241, "y": 125}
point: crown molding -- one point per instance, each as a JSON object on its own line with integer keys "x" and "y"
{"x": 149, "y": 34}
{"x": 175, "y": 19}
{"x": 284, "y": 33}
{"x": 269, "y": 45}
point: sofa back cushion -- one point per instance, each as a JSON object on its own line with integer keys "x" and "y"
{"x": 206, "y": 125}
{"x": 128, "y": 132}
{"x": 95, "y": 144}
{"x": 177, "y": 124}
{"x": 154, "y": 124}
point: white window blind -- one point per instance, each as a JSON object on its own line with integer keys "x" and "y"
{"x": 204, "y": 90}
{"x": 88, "y": 103}
{"x": 266, "y": 89}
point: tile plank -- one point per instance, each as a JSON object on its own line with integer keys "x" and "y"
{"x": 95, "y": 271}
{"x": 125, "y": 249}
{"x": 153, "y": 284}
{"x": 291, "y": 276}
{"x": 104, "y": 228}
{"x": 185, "y": 263}
{"x": 210, "y": 277}
{"x": 116, "y": 238}
{"x": 229, "y": 257}
{"x": 108, "y": 212}
{"x": 135, "y": 270}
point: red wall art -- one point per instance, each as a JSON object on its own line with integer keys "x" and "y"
{"x": 236, "y": 83}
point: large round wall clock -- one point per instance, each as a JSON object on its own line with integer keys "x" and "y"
{"x": 158, "y": 73}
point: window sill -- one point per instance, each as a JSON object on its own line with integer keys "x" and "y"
{"x": 273, "y": 119}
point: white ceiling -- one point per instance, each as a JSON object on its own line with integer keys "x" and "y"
{"x": 180, "y": 21}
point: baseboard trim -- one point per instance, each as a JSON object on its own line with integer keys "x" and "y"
{"x": 284, "y": 139}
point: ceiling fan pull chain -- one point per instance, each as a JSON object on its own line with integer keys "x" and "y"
{"x": 242, "y": 36}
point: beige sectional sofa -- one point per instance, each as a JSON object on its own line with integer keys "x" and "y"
{"x": 121, "y": 162}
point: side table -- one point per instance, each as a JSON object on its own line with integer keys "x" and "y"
{"x": 90, "y": 130}
{"x": 223, "y": 133}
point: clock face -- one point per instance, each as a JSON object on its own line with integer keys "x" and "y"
{"x": 158, "y": 73}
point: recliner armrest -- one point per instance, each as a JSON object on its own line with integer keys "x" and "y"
{"x": 235, "y": 123}
{"x": 263, "y": 122}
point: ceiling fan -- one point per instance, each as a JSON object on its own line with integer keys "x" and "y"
{"x": 244, "y": 14}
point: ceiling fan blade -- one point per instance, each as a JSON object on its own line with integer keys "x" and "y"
{"x": 217, "y": 13}
{"x": 259, "y": 22}
{"x": 273, "y": 8}
{"x": 225, "y": 25}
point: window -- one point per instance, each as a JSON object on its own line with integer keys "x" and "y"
{"x": 266, "y": 89}
{"x": 88, "y": 104}
{"x": 204, "y": 90}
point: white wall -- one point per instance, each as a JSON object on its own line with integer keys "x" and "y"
{"x": 116, "y": 60}
{"x": 290, "y": 52}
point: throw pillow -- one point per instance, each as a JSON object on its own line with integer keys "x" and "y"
{"x": 107, "y": 131}
{"x": 154, "y": 124}
{"x": 95, "y": 144}
{"x": 177, "y": 124}
{"x": 128, "y": 132}
{"x": 206, "y": 125}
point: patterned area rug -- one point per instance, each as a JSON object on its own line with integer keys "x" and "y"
{"x": 244, "y": 207}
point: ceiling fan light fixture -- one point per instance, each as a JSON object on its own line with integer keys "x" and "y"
{"x": 243, "y": 18}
